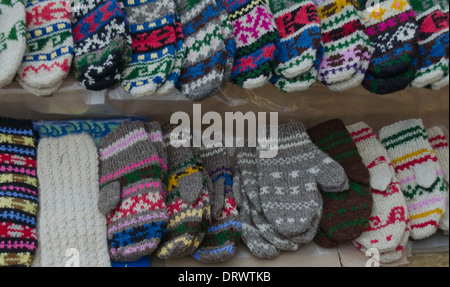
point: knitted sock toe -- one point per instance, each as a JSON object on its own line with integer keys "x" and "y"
{"x": 42, "y": 92}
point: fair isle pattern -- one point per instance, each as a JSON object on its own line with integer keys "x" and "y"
{"x": 18, "y": 193}
{"x": 228, "y": 38}
{"x": 12, "y": 38}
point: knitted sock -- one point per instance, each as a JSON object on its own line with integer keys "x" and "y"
{"x": 228, "y": 38}
{"x": 299, "y": 28}
{"x": 42, "y": 92}
{"x": 433, "y": 41}
{"x": 255, "y": 33}
{"x": 417, "y": 170}
{"x": 440, "y": 84}
{"x": 102, "y": 43}
{"x": 12, "y": 38}
{"x": 387, "y": 222}
{"x": 203, "y": 69}
{"x": 439, "y": 143}
{"x": 289, "y": 191}
{"x": 69, "y": 192}
{"x": 131, "y": 192}
{"x": 50, "y": 45}
{"x": 347, "y": 47}
{"x": 18, "y": 192}
{"x": 324, "y": 241}
{"x": 154, "y": 44}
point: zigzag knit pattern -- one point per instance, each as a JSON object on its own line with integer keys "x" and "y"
{"x": 18, "y": 193}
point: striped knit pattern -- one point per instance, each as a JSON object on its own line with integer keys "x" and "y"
{"x": 50, "y": 46}
{"x": 18, "y": 193}
{"x": 102, "y": 43}
{"x": 228, "y": 38}
{"x": 389, "y": 216}
{"x": 255, "y": 32}
{"x": 347, "y": 47}
{"x": 132, "y": 193}
{"x": 433, "y": 41}
{"x": 203, "y": 69}
{"x": 12, "y": 38}
{"x": 299, "y": 27}
{"x": 419, "y": 174}
{"x": 154, "y": 44}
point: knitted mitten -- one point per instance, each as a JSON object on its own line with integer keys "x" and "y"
{"x": 255, "y": 33}
{"x": 154, "y": 44}
{"x": 289, "y": 183}
{"x": 12, "y": 38}
{"x": 69, "y": 192}
{"x": 389, "y": 216}
{"x": 418, "y": 171}
{"x": 299, "y": 28}
{"x": 132, "y": 192}
{"x": 50, "y": 45}
{"x": 228, "y": 38}
{"x": 203, "y": 68}
{"x": 102, "y": 43}
{"x": 347, "y": 47}
{"x": 18, "y": 192}
{"x": 439, "y": 143}
{"x": 433, "y": 41}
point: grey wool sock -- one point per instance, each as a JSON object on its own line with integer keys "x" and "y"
{"x": 289, "y": 183}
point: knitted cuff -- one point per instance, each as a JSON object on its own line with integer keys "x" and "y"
{"x": 439, "y": 143}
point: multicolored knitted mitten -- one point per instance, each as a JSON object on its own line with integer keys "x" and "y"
{"x": 418, "y": 171}
{"x": 102, "y": 43}
{"x": 132, "y": 192}
{"x": 50, "y": 46}
{"x": 389, "y": 216}
{"x": 12, "y": 38}
{"x": 18, "y": 192}
{"x": 228, "y": 38}
{"x": 256, "y": 34}
{"x": 203, "y": 69}
{"x": 154, "y": 45}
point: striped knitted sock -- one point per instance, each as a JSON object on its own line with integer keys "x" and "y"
{"x": 256, "y": 34}
{"x": 132, "y": 192}
{"x": 419, "y": 174}
{"x": 299, "y": 28}
{"x": 18, "y": 192}
{"x": 154, "y": 44}
{"x": 203, "y": 69}
{"x": 50, "y": 45}
{"x": 347, "y": 47}
{"x": 389, "y": 216}
{"x": 12, "y": 38}
{"x": 228, "y": 38}
{"x": 102, "y": 43}
{"x": 433, "y": 41}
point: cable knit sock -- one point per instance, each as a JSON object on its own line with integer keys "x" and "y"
{"x": 419, "y": 174}
{"x": 228, "y": 38}
{"x": 18, "y": 193}
{"x": 389, "y": 216}
{"x": 102, "y": 43}
{"x": 299, "y": 28}
{"x": 132, "y": 192}
{"x": 256, "y": 34}
{"x": 12, "y": 38}
{"x": 153, "y": 36}
{"x": 50, "y": 45}
{"x": 433, "y": 41}
{"x": 347, "y": 47}
{"x": 203, "y": 69}
{"x": 69, "y": 192}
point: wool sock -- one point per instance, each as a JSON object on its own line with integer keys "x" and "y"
{"x": 418, "y": 171}
{"x": 440, "y": 84}
{"x": 131, "y": 192}
{"x": 255, "y": 33}
{"x": 13, "y": 42}
{"x": 228, "y": 38}
{"x": 203, "y": 69}
{"x": 102, "y": 43}
{"x": 42, "y": 92}
{"x": 50, "y": 45}
{"x": 19, "y": 202}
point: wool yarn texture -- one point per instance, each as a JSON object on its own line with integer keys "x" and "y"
{"x": 19, "y": 202}
{"x": 69, "y": 222}
{"x": 228, "y": 39}
{"x": 102, "y": 43}
{"x": 13, "y": 43}
{"x": 132, "y": 194}
{"x": 421, "y": 177}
